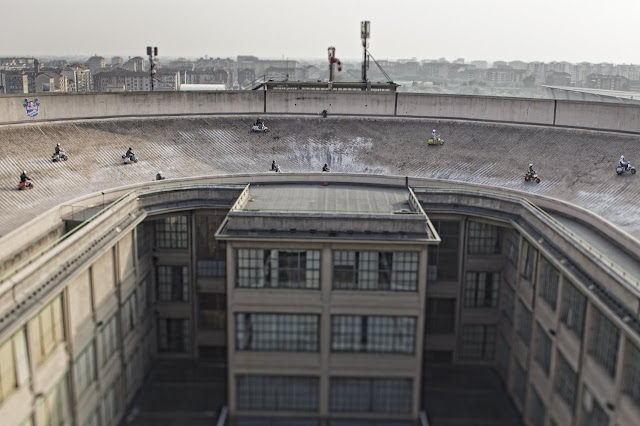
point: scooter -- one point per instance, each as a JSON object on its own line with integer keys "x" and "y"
{"x": 61, "y": 156}
{"x": 259, "y": 129}
{"x": 126, "y": 159}
{"x": 620, "y": 170}
{"x": 531, "y": 176}
{"x": 25, "y": 185}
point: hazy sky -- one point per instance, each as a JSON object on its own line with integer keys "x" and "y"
{"x": 545, "y": 30}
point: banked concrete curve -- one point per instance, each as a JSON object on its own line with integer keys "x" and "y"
{"x": 576, "y": 165}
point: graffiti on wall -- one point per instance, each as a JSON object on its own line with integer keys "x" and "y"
{"x": 31, "y": 107}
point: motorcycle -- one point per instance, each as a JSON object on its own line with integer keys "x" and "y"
{"x": 126, "y": 159}
{"x": 25, "y": 185}
{"x": 259, "y": 129}
{"x": 628, "y": 168}
{"x": 437, "y": 141}
{"x": 531, "y": 176}
{"x": 61, "y": 156}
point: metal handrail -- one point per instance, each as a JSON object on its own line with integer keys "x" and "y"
{"x": 610, "y": 263}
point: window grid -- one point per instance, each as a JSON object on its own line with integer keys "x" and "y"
{"x": 173, "y": 283}
{"x": 440, "y": 316}
{"x": 478, "y": 342}
{"x": 604, "y": 341}
{"x": 444, "y": 257}
{"x": 129, "y": 313}
{"x": 370, "y": 395}
{"x": 54, "y": 408}
{"x": 172, "y": 232}
{"x": 143, "y": 232}
{"x": 481, "y": 289}
{"x": 596, "y": 416}
{"x": 572, "y": 309}
{"x": 631, "y": 384}
{"x": 174, "y": 335}
{"x": 111, "y": 402}
{"x": 565, "y": 382}
{"x": 299, "y": 269}
{"x": 543, "y": 349}
{"x": 519, "y": 382}
{"x": 14, "y": 364}
{"x": 84, "y": 369}
{"x": 276, "y": 393}
{"x": 212, "y": 268}
{"x": 550, "y": 281}
{"x": 529, "y": 253}
{"x": 537, "y": 409}
{"x": 277, "y": 332}
{"x": 212, "y": 311}
{"x": 377, "y": 271}
{"x": 484, "y": 239}
{"x": 373, "y": 334}
{"x": 508, "y": 305}
{"x": 513, "y": 248}
{"x": 109, "y": 338}
{"x": 525, "y": 323}
{"x": 48, "y": 329}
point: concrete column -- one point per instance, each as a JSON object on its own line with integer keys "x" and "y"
{"x": 326, "y": 280}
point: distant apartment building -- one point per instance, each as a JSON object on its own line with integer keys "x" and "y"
{"x": 210, "y": 76}
{"x": 246, "y": 75}
{"x": 117, "y": 61}
{"x": 558, "y": 79}
{"x": 2, "y": 82}
{"x": 480, "y": 64}
{"x": 79, "y": 77}
{"x": 505, "y": 75}
{"x": 95, "y": 63}
{"x": 135, "y": 64}
{"x": 16, "y": 64}
{"x": 607, "y": 82}
{"x": 120, "y": 80}
{"x": 16, "y": 82}
{"x": 518, "y": 65}
{"x": 50, "y": 82}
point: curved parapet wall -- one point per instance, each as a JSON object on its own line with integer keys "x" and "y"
{"x": 591, "y": 115}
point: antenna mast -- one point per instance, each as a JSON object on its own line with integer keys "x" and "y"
{"x": 365, "y": 33}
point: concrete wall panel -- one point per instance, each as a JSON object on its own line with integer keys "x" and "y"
{"x": 103, "y": 279}
{"x": 536, "y": 111}
{"x": 79, "y": 300}
{"x": 598, "y": 115}
{"x": 311, "y": 102}
{"x": 125, "y": 256}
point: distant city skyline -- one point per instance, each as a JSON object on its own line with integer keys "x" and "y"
{"x": 567, "y": 30}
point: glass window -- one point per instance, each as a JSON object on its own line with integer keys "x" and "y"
{"x": 484, "y": 239}
{"x": 133, "y": 369}
{"x": 529, "y": 255}
{"x": 212, "y": 311}
{"x": 84, "y": 369}
{"x": 172, "y": 232}
{"x": 277, "y": 393}
{"x": 278, "y": 268}
{"x": 440, "y": 316}
{"x": 144, "y": 233}
{"x": 592, "y": 412}
{"x": 603, "y": 342}
{"x": 478, "y": 342}
{"x": 174, "y": 335}
{"x": 513, "y": 248}
{"x": 53, "y": 410}
{"x": 370, "y": 270}
{"x": 537, "y": 410}
{"x": 48, "y": 331}
{"x": 173, "y": 283}
{"x": 508, "y": 302}
{"x": 129, "y": 313}
{"x": 631, "y": 376}
{"x": 550, "y": 279}
{"x": 382, "y": 334}
{"x": 572, "y": 309}
{"x": 443, "y": 258}
{"x": 543, "y": 349}
{"x": 481, "y": 289}
{"x": 277, "y": 332}
{"x": 14, "y": 364}
{"x": 525, "y": 324}
{"x": 109, "y": 339}
{"x": 370, "y": 395}
{"x": 519, "y": 382}
{"x": 111, "y": 403}
{"x": 565, "y": 382}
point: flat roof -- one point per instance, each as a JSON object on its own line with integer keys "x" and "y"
{"x": 334, "y": 198}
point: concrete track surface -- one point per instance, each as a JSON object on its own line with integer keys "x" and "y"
{"x": 577, "y": 166}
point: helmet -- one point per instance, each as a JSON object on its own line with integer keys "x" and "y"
{"x": 159, "y": 172}
{"x": 434, "y": 130}
{"x": 24, "y": 171}
{"x": 530, "y": 164}
{"x": 58, "y": 144}
{"x": 622, "y": 157}
{"x": 130, "y": 148}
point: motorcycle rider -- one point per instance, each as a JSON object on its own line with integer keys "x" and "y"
{"x": 434, "y": 136}
{"x": 159, "y": 176}
{"x": 274, "y": 166}
{"x": 259, "y": 122}
{"x": 58, "y": 149}
{"x": 23, "y": 177}
{"x": 324, "y": 113}
{"x": 531, "y": 171}
{"x": 623, "y": 163}
{"x": 130, "y": 153}
{"x": 325, "y": 168}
